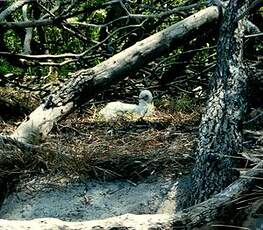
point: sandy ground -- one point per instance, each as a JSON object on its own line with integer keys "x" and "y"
{"x": 143, "y": 150}
{"x": 75, "y": 201}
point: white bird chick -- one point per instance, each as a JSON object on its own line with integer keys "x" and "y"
{"x": 118, "y": 109}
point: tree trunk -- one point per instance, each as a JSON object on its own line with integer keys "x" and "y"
{"x": 86, "y": 83}
{"x": 220, "y": 133}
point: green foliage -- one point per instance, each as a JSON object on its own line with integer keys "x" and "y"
{"x": 183, "y": 103}
{"x": 92, "y": 3}
{"x": 99, "y": 16}
{"x": 6, "y": 68}
{"x": 12, "y": 41}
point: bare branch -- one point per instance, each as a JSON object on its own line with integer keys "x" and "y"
{"x": 75, "y": 57}
{"x": 249, "y": 9}
{"x": 42, "y": 56}
{"x": 59, "y": 19}
{"x": 41, "y": 22}
{"x": 253, "y": 35}
{"x": 53, "y": 21}
{"x": 142, "y": 16}
{"x": 16, "y": 5}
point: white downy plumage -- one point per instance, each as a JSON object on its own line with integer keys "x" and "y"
{"x": 118, "y": 109}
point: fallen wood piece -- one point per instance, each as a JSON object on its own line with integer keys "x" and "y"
{"x": 195, "y": 216}
{"x": 84, "y": 84}
{"x": 128, "y": 220}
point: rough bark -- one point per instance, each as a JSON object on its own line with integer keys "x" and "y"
{"x": 220, "y": 132}
{"x": 86, "y": 83}
{"x": 195, "y": 216}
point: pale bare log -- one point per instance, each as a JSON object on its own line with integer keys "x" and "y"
{"x": 29, "y": 32}
{"x": 86, "y": 83}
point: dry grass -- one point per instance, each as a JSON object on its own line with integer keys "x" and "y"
{"x": 84, "y": 146}
{"x": 123, "y": 149}
{"x": 16, "y": 103}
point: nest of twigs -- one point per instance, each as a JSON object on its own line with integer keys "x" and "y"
{"x": 123, "y": 149}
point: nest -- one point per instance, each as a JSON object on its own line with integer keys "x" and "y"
{"x": 124, "y": 149}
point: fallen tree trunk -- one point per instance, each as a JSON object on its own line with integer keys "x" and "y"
{"x": 195, "y": 216}
{"x": 86, "y": 83}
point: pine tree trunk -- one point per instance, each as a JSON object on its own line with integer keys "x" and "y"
{"x": 220, "y": 132}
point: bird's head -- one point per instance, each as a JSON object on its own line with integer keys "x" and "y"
{"x": 146, "y": 96}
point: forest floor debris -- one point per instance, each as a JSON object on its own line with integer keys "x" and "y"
{"x": 90, "y": 169}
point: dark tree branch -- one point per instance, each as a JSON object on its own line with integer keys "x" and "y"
{"x": 252, "y": 6}
{"x": 4, "y": 14}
